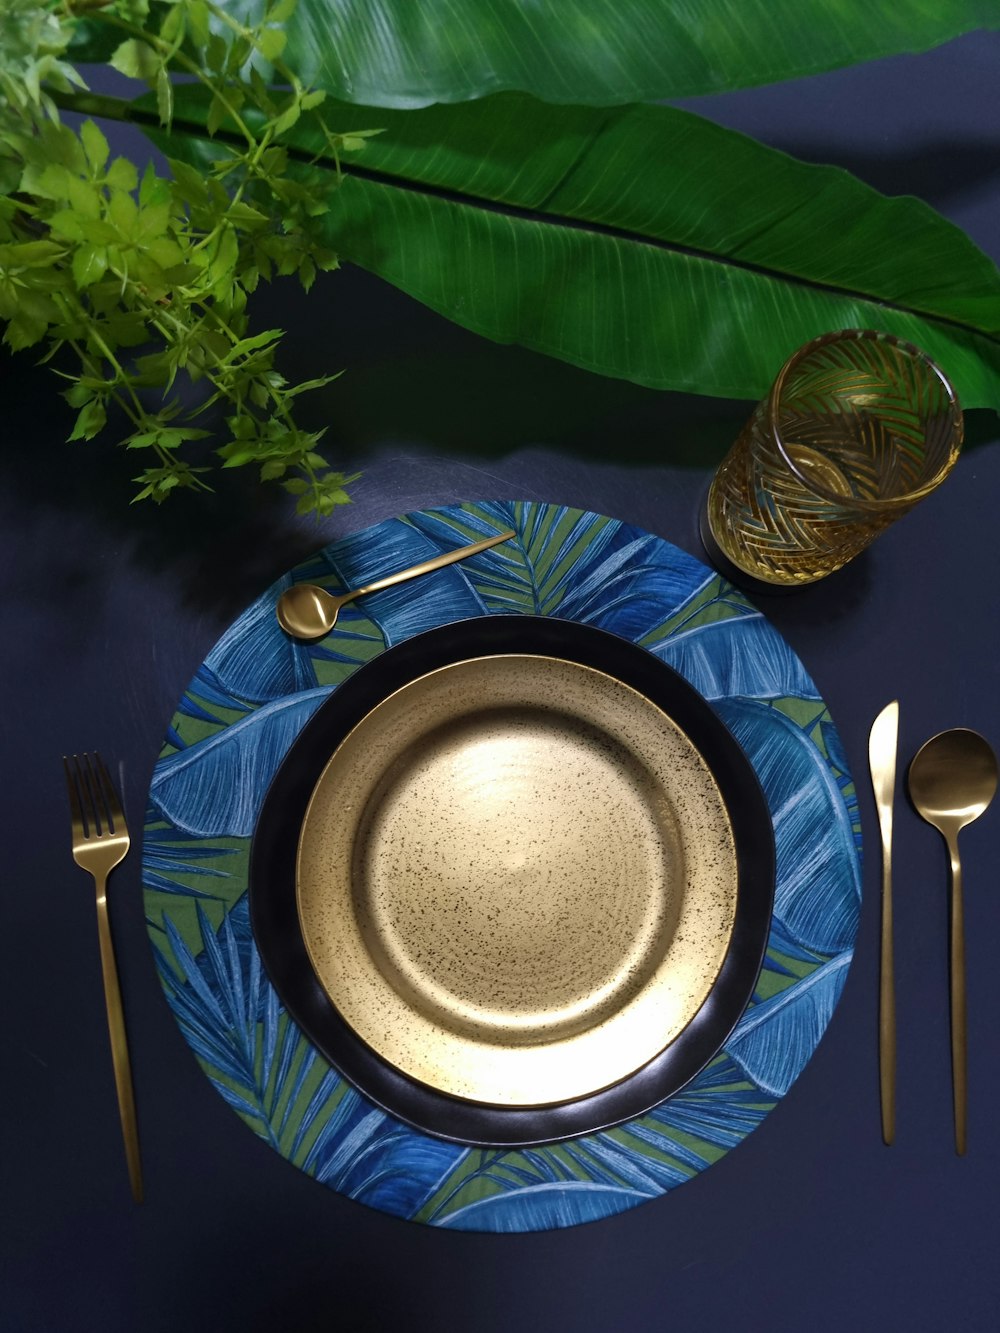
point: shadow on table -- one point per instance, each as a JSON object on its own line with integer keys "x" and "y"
{"x": 414, "y": 382}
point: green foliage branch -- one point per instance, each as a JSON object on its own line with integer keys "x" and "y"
{"x": 146, "y": 281}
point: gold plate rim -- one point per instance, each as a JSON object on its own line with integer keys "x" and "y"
{"x": 505, "y": 1072}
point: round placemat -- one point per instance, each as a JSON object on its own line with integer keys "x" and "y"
{"x": 257, "y": 689}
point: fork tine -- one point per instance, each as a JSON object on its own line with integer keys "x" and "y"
{"x": 72, "y": 787}
{"x": 114, "y": 805}
{"x": 93, "y": 804}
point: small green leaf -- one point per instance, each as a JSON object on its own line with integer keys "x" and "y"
{"x": 174, "y": 25}
{"x": 217, "y": 113}
{"x": 271, "y": 43}
{"x": 78, "y": 394}
{"x": 165, "y": 252}
{"x": 89, "y": 265}
{"x": 198, "y": 17}
{"x": 295, "y": 485}
{"x": 154, "y": 189}
{"x": 287, "y": 118}
{"x": 94, "y": 144}
{"x": 91, "y": 419}
{"x": 124, "y": 213}
{"x": 307, "y": 273}
{"x": 95, "y": 230}
{"x": 238, "y": 457}
{"x": 243, "y": 215}
{"x": 84, "y": 197}
{"x": 281, "y": 11}
{"x": 53, "y": 183}
{"x": 24, "y": 330}
{"x": 164, "y": 96}
{"x": 68, "y": 224}
{"x": 136, "y": 60}
{"x": 153, "y": 221}
{"x": 122, "y": 175}
{"x": 226, "y": 255}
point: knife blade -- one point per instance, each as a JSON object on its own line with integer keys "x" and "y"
{"x": 882, "y": 763}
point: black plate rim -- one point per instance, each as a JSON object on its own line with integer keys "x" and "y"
{"x": 274, "y": 912}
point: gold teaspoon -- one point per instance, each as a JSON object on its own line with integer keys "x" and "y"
{"x": 952, "y": 780}
{"x": 308, "y": 612}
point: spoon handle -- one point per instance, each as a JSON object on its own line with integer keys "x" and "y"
{"x": 428, "y": 566}
{"x": 959, "y": 1066}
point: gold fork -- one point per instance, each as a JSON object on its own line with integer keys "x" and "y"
{"x": 100, "y": 841}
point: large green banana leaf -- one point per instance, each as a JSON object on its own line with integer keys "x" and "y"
{"x": 646, "y": 243}
{"x": 405, "y": 53}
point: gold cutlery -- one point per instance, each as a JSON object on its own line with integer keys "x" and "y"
{"x": 308, "y": 612}
{"x": 882, "y": 762}
{"x": 952, "y": 780}
{"x": 100, "y": 842}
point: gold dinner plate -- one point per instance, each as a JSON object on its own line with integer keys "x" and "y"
{"x": 517, "y": 880}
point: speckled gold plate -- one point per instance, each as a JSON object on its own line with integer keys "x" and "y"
{"x": 517, "y": 880}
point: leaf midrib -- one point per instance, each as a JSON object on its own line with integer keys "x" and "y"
{"x": 137, "y": 114}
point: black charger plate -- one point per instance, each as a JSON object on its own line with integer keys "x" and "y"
{"x": 274, "y": 912}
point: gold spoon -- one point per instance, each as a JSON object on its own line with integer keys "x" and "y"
{"x": 308, "y": 612}
{"x": 952, "y": 780}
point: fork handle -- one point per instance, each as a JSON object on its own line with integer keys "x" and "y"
{"x": 119, "y": 1042}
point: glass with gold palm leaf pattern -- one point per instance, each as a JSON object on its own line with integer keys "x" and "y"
{"x": 858, "y": 427}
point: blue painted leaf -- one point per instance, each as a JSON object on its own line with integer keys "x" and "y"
{"x": 604, "y": 1159}
{"x": 255, "y": 659}
{"x": 741, "y": 656}
{"x": 834, "y": 747}
{"x": 774, "y": 1040}
{"x": 168, "y": 851}
{"x": 818, "y": 890}
{"x": 716, "y": 1106}
{"x": 230, "y": 1016}
{"x": 618, "y": 593}
{"x": 408, "y": 608}
{"x": 781, "y": 942}
{"x": 371, "y": 1157}
{"x": 215, "y": 788}
{"x": 542, "y": 1207}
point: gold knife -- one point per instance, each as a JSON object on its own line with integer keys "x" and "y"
{"x": 882, "y": 762}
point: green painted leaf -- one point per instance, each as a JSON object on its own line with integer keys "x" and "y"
{"x": 647, "y": 243}
{"x": 596, "y": 52}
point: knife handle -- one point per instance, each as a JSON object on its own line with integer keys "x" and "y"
{"x": 887, "y": 1004}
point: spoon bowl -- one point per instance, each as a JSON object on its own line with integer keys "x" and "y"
{"x": 308, "y": 612}
{"x": 952, "y": 779}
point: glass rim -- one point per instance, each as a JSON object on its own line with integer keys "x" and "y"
{"x": 858, "y": 502}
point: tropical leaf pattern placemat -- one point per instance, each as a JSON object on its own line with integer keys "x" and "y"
{"x": 257, "y": 689}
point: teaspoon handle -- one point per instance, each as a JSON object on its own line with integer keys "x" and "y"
{"x": 959, "y": 1066}
{"x": 428, "y": 566}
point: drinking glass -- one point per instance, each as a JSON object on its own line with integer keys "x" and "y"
{"x": 857, "y": 428}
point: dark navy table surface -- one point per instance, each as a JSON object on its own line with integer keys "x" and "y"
{"x": 811, "y": 1223}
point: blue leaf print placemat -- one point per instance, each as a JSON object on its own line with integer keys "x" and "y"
{"x": 257, "y": 689}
